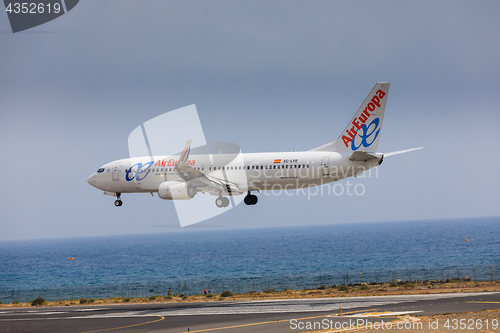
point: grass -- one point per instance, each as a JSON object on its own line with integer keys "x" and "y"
{"x": 226, "y": 293}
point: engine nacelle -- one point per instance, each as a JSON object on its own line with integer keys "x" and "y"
{"x": 176, "y": 191}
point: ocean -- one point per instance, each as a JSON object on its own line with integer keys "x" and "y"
{"x": 329, "y": 254}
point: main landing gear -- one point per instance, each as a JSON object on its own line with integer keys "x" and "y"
{"x": 251, "y": 199}
{"x": 222, "y": 202}
{"x": 118, "y": 201}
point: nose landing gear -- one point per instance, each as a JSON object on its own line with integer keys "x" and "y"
{"x": 118, "y": 201}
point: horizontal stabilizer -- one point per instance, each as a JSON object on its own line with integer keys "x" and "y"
{"x": 362, "y": 156}
{"x": 401, "y": 151}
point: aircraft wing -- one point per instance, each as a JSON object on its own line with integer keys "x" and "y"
{"x": 197, "y": 178}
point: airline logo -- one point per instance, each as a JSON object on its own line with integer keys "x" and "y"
{"x": 277, "y": 161}
{"x": 171, "y": 162}
{"x": 358, "y": 123}
{"x": 185, "y": 154}
{"x": 141, "y": 169}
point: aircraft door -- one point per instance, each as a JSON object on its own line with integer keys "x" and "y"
{"x": 115, "y": 175}
{"x": 325, "y": 166}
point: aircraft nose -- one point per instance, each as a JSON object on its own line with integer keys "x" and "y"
{"x": 91, "y": 179}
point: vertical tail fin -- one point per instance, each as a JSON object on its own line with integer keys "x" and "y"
{"x": 363, "y": 131}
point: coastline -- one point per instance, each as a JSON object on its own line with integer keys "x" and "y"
{"x": 382, "y": 289}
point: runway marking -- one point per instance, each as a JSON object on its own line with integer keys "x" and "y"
{"x": 19, "y": 311}
{"x": 357, "y": 311}
{"x": 374, "y": 313}
{"x": 384, "y": 314}
{"x": 117, "y": 328}
{"x": 481, "y": 302}
{"x": 264, "y": 322}
{"x": 236, "y": 326}
{"x": 327, "y": 305}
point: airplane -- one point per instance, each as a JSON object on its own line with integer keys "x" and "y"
{"x": 181, "y": 177}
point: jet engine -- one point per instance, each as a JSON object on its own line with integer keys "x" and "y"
{"x": 176, "y": 191}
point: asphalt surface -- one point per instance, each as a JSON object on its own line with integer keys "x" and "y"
{"x": 244, "y": 316}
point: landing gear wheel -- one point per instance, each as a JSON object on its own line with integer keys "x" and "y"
{"x": 250, "y": 199}
{"x": 118, "y": 201}
{"x": 222, "y": 202}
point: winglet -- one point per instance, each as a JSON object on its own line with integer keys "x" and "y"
{"x": 183, "y": 160}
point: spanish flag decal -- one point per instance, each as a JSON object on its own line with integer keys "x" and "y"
{"x": 277, "y": 161}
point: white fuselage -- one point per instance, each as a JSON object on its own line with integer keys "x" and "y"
{"x": 249, "y": 172}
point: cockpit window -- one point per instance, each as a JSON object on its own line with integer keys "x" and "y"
{"x": 101, "y": 170}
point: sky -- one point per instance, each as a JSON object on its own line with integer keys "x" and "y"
{"x": 269, "y": 76}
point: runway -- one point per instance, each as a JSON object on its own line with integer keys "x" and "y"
{"x": 242, "y": 316}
